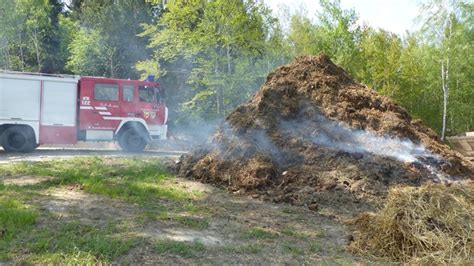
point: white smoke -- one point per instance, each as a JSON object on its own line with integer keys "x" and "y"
{"x": 337, "y": 136}
{"x": 331, "y": 135}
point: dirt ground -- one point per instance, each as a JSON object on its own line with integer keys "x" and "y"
{"x": 238, "y": 228}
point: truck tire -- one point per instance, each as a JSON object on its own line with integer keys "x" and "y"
{"x": 18, "y": 139}
{"x": 132, "y": 141}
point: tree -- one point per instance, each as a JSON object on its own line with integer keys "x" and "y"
{"x": 216, "y": 51}
{"x": 90, "y": 54}
{"x": 30, "y": 35}
{"x": 117, "y": 24}
{"x": 303, "y": 35}
{"x": 335, "y": 33}
{"x": 54, "y": 60}
{"x": 380, "y": 53}
{"x": 340, "y": 34}
{"x": 439, "y": 18}
{"x": 12, "y": 56}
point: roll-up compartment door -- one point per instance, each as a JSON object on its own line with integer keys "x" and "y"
{"x": 19, "y": 99}
{"x": 59, "y": 104}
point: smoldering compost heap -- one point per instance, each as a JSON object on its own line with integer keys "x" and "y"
{"x": 314, "y": 136}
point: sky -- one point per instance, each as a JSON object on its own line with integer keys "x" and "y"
{"x": 392, "y": 15}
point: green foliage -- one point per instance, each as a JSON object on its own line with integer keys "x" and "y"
{"x": 115, "y": 47}
{"x": 213, "y": 55}
{"x": 335, "y": 33}
{"x": 381, "y": 51}
{"x": 405, "y": 68}
{"x": 30, "y": 36}
{"x": 89, "y": 54}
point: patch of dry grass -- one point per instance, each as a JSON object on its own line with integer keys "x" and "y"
{"x": 431, "y": 224}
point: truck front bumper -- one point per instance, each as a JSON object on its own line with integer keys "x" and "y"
{"x": 158, "y": 132}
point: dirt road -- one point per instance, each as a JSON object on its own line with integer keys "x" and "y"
{"x": 53, "y": 153}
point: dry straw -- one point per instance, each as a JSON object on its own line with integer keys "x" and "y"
{"x": 426, "y": 225}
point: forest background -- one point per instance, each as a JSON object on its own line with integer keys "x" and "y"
{"x": 212, "y": 55}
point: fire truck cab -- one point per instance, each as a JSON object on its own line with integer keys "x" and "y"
{"x": 38, "y": 109}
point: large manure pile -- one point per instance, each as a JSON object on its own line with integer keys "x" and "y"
{"x": 314, "y": 136}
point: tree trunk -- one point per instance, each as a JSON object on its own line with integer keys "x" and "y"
{"x": 219, "y": 92}
{"x": 36, "y": 44}
{"x": 7, "y": 55}
{"x": 444, "y": 80}
{"x": 229, "y": 70}
{"x": 111, "y": 66}
{"x": 21, "y": 54}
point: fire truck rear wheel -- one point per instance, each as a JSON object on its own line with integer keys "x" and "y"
{"x": 132, "y": 141}
{"x": 18, "y": 139}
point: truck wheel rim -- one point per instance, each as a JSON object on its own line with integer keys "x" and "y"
{"x": 135, "y": 140}
{"x": 16, "y": 141}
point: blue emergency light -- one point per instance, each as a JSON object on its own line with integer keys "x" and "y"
{"x": 150, "y": 78}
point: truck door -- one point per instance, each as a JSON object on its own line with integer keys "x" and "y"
{"x": 149, "y": 104}
{"x": 99, "y": 110}
{"x": 129, "y": 101}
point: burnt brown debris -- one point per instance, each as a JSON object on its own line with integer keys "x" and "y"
{"x": 314, "y": 136}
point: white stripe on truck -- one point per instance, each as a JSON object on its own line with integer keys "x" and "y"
{"x": 114, "y": 118}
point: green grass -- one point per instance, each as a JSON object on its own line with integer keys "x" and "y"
{"x": 99, "y": 242}
{"x": 15, "y": 217}
{"x": 315, "y": 247}
{"x": 192, "y": 222}
{"x": 186, "y": 221}
{"x": 292, "y": 232}
{"x": 292, "y": 249}
{"x": 138, "y": 181}
{"x": 36, "y": 236}
{"x": 185, "y": 249}
{"x": 71, "y": 243}
{"x": 259, "y": 233}
{"x": 74, "y": 257}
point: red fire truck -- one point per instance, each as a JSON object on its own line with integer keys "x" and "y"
{"x": 38, "y": 109}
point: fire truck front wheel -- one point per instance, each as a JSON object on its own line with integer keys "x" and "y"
{"x": 132, "y": 141}
{"x": 18, "y": 139}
